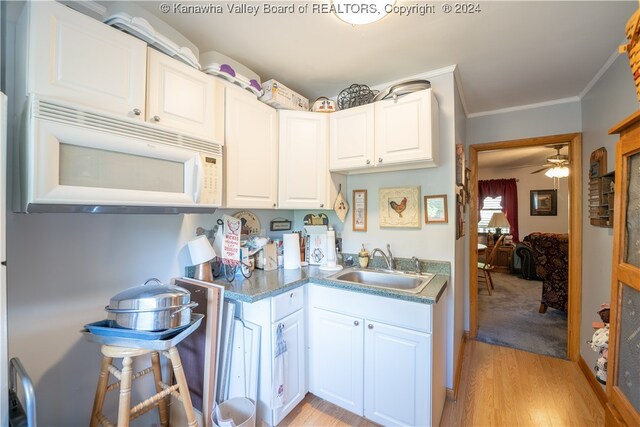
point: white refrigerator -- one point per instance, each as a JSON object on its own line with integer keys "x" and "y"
{"x": 4, "y": 359}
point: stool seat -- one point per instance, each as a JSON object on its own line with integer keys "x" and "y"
{"x": 125, "y": 377}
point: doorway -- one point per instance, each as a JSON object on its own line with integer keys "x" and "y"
{"x": 573, "y": 142}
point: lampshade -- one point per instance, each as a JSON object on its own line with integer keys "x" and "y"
{"x": 558, "y": 172}
{"x": 498, "y": 220}
{"x": 200, "y": 250}
{"x": 359, "y": 14}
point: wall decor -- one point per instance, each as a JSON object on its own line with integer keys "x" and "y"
{"x": 359, "y": 210}
{"x": 280, "y": 224}
{"x": 460, "y": 226}
{"x": 435, "y": 209}
{"x": 316, "y": 219}
{"x": 467, "y": 177}
{"x": 460, "y": 164}
{"x": 399, "y": 207}
{"x": 598, "y": 163}
{"x": 544, "y": 202}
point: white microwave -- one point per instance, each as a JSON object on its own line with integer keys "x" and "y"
{"x": 79, "y": 160}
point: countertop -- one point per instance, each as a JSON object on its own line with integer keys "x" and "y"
{"x": 265, "y": 284}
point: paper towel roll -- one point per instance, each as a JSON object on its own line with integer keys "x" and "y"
{"x": 331, "y": 248}
{"x": 291, "y": 246}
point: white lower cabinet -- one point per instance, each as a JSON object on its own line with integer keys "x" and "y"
{"x": 335, "y": 367}
{"x": 286, "y": 311}
{"x": 377, "y": 357}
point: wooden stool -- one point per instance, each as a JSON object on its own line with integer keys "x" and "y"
{"x": 180, "y": 390}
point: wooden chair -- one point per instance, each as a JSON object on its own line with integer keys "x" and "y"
{"x": 126, "y": 376}
{"x": 485, "y": 268}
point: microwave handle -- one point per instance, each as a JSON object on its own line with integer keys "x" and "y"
{"x": 199, "y": 181}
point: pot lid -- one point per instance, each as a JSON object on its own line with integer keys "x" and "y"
{"x": 403, "y": 88}
{"x": 152, "y": 294}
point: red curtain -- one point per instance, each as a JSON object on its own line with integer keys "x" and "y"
{"x": 508, "y": 190}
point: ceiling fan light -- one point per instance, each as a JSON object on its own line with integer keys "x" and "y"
{"x": 360, "y": 13}
{"x": 558, "y": 172}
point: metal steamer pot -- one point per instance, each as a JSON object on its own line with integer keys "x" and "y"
{"x": 151, "y": 307}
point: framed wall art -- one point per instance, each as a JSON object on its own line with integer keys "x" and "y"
{"x": 435, "y": 209}
{"x": 460, "y": 164}
{"x": 400, "y": 207}
{"x": 359, "y": 210}
{"x": 544, "y": 202}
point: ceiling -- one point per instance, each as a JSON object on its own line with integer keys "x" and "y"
{"x": 511, "y": 53}
{"x": 514, "y": 158}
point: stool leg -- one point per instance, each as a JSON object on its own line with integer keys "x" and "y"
{"x": 125, "y": 393}
{"x": 157, "y": 378}
{"x": 182, "y": 384}
{"x": 101, "y": 390}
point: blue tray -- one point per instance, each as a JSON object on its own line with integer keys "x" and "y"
{"x": 166, "y": 343}
{"x": 109, "y": 328}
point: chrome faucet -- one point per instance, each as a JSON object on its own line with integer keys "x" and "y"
{"x": 386, "y": 258}
{"x": 416, "y": 263}
{"x": 392, "y": 260}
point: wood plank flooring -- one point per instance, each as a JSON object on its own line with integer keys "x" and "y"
{"x": 500, "y": 387}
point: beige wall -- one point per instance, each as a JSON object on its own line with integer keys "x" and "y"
{"x": 527, "y": 182}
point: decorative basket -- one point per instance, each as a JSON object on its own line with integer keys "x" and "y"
{"x": 355, "y": 95}
{"x": 633, "y": 48}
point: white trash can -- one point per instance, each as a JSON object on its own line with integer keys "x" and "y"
{"x": 239, "y": 409}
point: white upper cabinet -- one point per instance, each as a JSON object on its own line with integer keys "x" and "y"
{"x": 352, "y": 138}
{"x": 386, "y": 135}
{"x": 251, "y": 151}
{"x": 182, "y": 98}
{"x": 75, "y": 58}
{"x": 303, "y": 165}
{"x": 407, "y": 129}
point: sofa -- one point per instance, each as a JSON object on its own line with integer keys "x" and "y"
{"x": 527, "y": 261}
{"x": 551, "y": 253}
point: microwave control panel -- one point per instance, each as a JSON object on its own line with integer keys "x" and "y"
{"x": 211, "y": 194}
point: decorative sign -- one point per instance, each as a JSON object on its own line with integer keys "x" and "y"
{"x": 231, "y": 240}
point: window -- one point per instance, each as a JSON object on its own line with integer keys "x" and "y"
{"x": 489, "y": 206}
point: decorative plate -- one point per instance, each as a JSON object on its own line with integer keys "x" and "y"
{"x": 250, "y": 222}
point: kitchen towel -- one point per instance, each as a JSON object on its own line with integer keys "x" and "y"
{"x": 279, "y": 392}
{"x": 291, "y": 244}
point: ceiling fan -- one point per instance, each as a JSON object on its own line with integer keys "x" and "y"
{"x": 557, "y": 164}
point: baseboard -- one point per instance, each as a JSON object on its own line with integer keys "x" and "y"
{"x": 591, "y": 378}
{"x": 452, "y": 394}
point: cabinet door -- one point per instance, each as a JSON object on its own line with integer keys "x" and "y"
{"x": 75, "y": 58}
{"x": 351, "y": 138}
{"x": 336, "y": 359}
{"x": 295, "y": 366}
{"x": 184, "y": 99}
{"x": 251, "y": 145}
{"x": 406, "y": 129}
{"x": 303, "y": 167}
{"x": 397, "y": 375}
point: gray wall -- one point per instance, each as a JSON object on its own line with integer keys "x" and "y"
{"x": 611, "y": 100}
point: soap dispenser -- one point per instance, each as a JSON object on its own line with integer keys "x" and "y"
{"x": 363, "y": 257}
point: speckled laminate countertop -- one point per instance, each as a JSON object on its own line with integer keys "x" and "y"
{"x": 265, "y": 284}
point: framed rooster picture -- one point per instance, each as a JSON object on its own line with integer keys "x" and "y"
{"x": 400, "y": 207}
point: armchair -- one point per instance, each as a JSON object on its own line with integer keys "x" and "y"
{"x": 551, "y": 252}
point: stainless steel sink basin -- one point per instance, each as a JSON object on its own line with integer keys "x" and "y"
{"x": 398, "y": 281}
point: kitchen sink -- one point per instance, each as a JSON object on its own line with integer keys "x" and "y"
{"x": 385, "y": 279}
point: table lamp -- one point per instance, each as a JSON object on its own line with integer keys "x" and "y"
{"x": 498, "y": 221}
{"x": 202, "y": 253}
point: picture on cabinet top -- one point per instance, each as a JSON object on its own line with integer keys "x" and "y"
{"x": 400, "y": 207}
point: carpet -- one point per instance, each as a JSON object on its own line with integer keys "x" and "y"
{"x": 509, "y": 317}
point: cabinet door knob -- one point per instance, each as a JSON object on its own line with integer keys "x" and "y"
{"x": 156, "y": 118}
{"x": 370, "y": 326}
{"x": 355, "y": 322}
{"x": 368, "y": 162}
{"x": 137, "y": 111}
{"x": 274, "y": 205}
{"x": 322, "y": 205}
{"x": 291, "y": 295}
{"x": 379, "y": 159}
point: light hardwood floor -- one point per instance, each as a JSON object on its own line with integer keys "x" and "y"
{"x": 500, "y": 387}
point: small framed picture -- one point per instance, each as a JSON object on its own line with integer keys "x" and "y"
{"x": 359, "y": 210}
{"x": 399, "y": 207}
{"x": 543, "y": 203}
{"x": 435, "y": 209}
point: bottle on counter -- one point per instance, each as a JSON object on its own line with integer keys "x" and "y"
{"x": 363, "y": 257}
